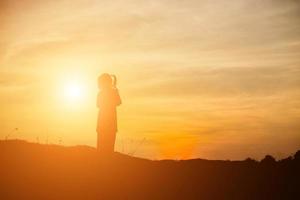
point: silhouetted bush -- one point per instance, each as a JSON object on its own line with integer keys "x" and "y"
{"x": 297, "y": 156}
{"x": 250, "y": 160}
{"x": 268, "y": 160}
{"x": 286, "y": 160}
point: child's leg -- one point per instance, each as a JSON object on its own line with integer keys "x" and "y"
{"x": 98, "y": 141}
{"x": 106, "y": 141}
{"x": 111, "y": 141}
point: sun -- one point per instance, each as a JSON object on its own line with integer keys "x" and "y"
{"x": 73, "y": 91}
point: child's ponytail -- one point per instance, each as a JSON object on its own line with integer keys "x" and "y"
{"x": 114, "y": 81}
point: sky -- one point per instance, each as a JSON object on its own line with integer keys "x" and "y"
{"x": 213, "y": 79}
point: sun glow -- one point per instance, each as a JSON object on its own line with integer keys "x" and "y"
{"x": 73, "y": 91}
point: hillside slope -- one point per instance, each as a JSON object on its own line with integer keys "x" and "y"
{"x": 35, "y": 171}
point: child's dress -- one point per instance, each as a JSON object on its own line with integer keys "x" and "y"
{"x": 107, "y": 101}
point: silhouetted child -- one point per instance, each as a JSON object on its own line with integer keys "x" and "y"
{"x": 107, "y": 101}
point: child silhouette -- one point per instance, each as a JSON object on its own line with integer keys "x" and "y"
{"x": 107, "y": 101}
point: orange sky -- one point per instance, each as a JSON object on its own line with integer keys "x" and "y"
{"x": 211, "y": 79}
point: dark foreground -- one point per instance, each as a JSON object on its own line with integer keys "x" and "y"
{"x": 42, "y": 172}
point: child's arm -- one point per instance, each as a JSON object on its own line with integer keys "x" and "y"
{"x": 118, "y": 98}
{"x": 98, "y": 100}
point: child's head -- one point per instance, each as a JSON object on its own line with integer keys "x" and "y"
{"x": 105, "y": 81}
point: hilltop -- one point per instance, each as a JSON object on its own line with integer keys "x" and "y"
{"x": 39, "y": 171}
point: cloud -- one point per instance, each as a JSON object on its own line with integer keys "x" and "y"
{"x": 221, "y": 82}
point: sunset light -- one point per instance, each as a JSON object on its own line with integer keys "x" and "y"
{"x": 73, "y": 92}
{"x": 160, "y": 99}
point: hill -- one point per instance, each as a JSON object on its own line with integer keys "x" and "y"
{"x": 35, "y": 171}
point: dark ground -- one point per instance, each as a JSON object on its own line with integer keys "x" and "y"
{"x": 41, "y": 172}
